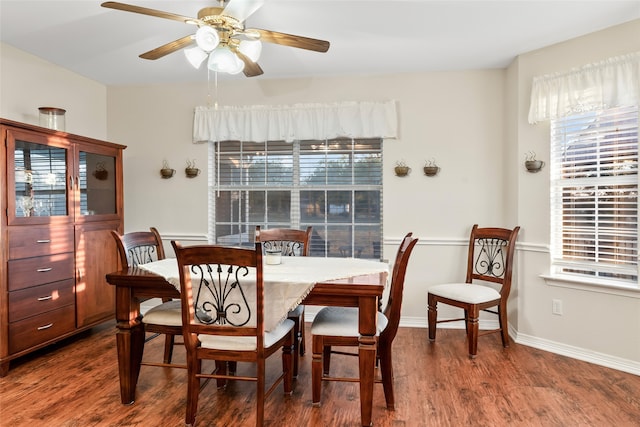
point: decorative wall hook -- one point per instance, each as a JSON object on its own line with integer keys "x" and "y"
{"x": 166, "y": 172}
{"x": 431, "y": 168}
{"x": 531, "y": 163}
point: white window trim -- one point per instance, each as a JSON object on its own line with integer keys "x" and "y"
{"x": 557, "y": 260}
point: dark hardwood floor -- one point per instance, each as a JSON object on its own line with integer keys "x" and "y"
{"x": 75, "y": 383}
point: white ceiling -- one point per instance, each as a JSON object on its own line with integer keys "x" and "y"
{"x": 367, "y": 36}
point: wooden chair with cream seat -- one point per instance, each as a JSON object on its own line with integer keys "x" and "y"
{"x": 291, "y": 242}
{"x": 338, "y": 326}
{"x": 222, "y": 323}
{"x": 490, "y": 262}
{"x": 141, "y": 247}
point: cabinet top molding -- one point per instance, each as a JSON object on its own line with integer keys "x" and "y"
{"x": 43, "y": 130}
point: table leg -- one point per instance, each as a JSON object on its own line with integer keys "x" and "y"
{"x": 367, "y": 355}
{"x": 130, "y": 342}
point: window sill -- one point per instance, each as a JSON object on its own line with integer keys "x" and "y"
{"x": 600, "y": 286}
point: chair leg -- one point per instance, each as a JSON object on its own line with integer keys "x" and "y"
{"x": 326, "y": 360}
{"x": 472, "y": 325}
{"x": 193, "y": 389}
{"x": 386, "y": 369}
{"x": 288, "y": 356}
{"x": 260, "y": 383}
{"x": 432, "y": 316}
{"x": 296, "y": 345}
{"x": 302, "y": 334}
{"x": 221, "y": 369}
{"x": 168, "y": 347}
{"x": 504, "y": 324}
{"x": 317, "y": 348}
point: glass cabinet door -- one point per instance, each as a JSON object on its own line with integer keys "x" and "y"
{"x": 96, "y": 182}
{"x": 38, "y": 191}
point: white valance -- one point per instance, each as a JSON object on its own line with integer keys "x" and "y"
{"x": 296, "y": 122}
{"x": 614, "y": 82}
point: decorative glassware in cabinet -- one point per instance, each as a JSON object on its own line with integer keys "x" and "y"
{"x": 40, "y": 179}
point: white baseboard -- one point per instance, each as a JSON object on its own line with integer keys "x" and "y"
{"x": 590, "y": 356}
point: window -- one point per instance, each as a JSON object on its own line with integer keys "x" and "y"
{"x": 594, "y": 195}
{"x": 335, "y": 186}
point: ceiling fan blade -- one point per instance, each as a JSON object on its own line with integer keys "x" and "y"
{"x": 291, "y": 40}
{"x": 150, "y": 12}
{"x": 251, "y": 69}
{"x": 168, "y": 48}
{"x": 242, "y": 9}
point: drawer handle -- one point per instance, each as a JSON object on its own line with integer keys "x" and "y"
{"x": 44, "y": 270}
{"x": 42, "y": 328}
{"x": 43, "y": 241}
{"x": 47, "y": 298}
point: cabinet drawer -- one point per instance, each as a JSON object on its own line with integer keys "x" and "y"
{"x": 24, "y": 273}
{"x": 41, "y": 328}
{"x": 40, "y": 299}
{"x": 27, "y": 242}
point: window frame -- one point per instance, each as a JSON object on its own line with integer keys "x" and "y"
{"x": 594, "y": 282}
{"x": 324, "y": 229}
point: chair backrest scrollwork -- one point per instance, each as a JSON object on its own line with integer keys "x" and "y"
{"x": 290, "y": 241}
{"x": 490, "y": 258}
{"x": 139, "y": 247}
{"x": 222, "y": 289}
{"x": 220, "y": 296}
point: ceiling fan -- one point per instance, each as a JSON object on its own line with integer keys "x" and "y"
{"x": 222, "y": 37}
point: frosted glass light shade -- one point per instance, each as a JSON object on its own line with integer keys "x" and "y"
{"x": 223, "y": 60}
{"x": 195, "y": 56}
{"x": 207, "y": 38}
{"x": 251, "y": 48}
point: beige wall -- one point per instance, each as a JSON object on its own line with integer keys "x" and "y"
{"x": 472, "y": 122}
{"x": 27, "y": 82}
{"x": 604, "y": 323}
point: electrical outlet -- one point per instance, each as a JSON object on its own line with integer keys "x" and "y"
{"x": 556, "y": 307}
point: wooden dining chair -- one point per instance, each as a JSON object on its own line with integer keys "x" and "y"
{"x": 291, "y": 242}
{"x": 338, "y": 326}
{"x": 141, "y": 247}
{"x": 222, "y": 322}
{"x": 487, "y": 285}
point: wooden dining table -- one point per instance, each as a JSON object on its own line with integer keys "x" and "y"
{"x": 135, "y": 284}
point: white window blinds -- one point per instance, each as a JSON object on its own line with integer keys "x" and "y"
{"x": 335, "y": 186}
{"x": 594, "y": 194}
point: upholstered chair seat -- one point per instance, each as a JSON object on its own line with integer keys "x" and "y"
{"x": 168, "y": 314}
{"x": 341, "y": 322}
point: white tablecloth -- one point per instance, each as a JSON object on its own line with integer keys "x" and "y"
{"x": 285, "y": 284}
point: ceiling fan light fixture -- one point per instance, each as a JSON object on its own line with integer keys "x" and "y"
{"x": 207, "y": 38}
{"x": 222, "y": 60}
{"x": 251, "y": 48}
{"x": 239, "y": 66}
{"x": 195, "y": 56}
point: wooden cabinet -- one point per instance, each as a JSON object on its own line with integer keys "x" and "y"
{"x": 61, "y": 197}
{"x": 96, "y": 256}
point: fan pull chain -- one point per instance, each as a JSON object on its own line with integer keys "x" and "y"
{"x": 215, "y": 104}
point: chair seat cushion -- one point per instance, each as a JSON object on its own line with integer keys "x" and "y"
{"x": 167, "y": 314}
{"x": 341, "y": 322}
{"x": 296, "y": 312}
{"x": 220, "y": 342}
{"x": 465, "y": 292}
